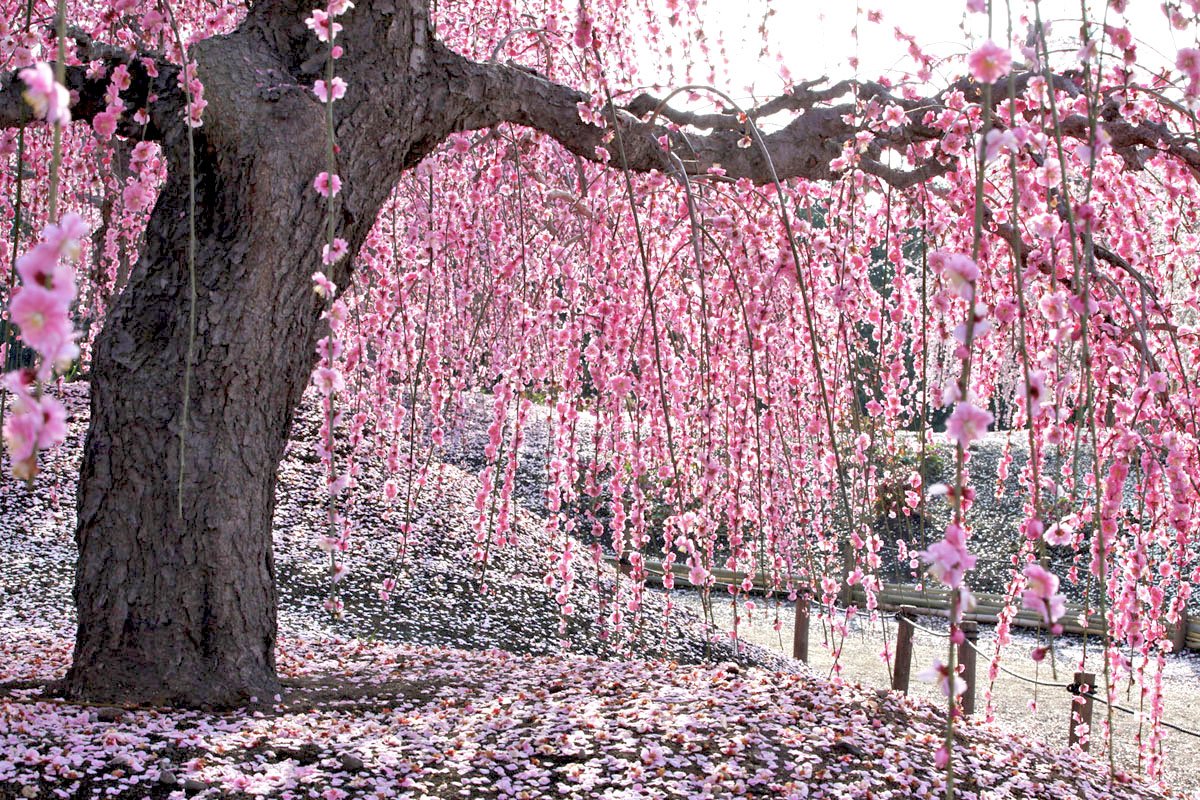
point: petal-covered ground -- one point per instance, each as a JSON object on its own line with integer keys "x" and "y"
{"x": 382, "y": 720}
{"x": 411, "y": 698}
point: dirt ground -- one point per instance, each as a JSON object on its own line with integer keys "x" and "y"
{"x": 1039, "y": 712}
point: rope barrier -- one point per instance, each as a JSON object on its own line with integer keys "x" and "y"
{"x": 1073, "y": 688}
{"x": 1077, "y": 690}
{"x": 975, "y": 647}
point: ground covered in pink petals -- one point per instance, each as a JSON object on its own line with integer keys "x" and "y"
{"x": 382, "y": 720}
{"x": 407, "y": 699}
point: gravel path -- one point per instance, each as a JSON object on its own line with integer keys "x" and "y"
{"x": 1038, "y": 713}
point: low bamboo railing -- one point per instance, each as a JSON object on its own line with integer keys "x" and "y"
{"x": 931, "y": 602}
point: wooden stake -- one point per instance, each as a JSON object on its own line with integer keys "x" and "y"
{"x": 800, "y": 634}
{"x": 904, "y": 649}
{"x": 966, "y": 657}
{"x": 1178, "y": 631}
{"x": 1084, "y": 713}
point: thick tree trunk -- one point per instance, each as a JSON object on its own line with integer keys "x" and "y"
{"x": 176, "y": 597}
{"x": 175, "y": 582}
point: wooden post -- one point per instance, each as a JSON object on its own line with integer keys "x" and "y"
{"x": 966, "y": 657}
{"x": 904, "y": 649}
{"x": 846, "y": 592}
{"x": 1082, "y": 679}
{"x": 1178, "y": 631}
{"x": 800, "y": 633}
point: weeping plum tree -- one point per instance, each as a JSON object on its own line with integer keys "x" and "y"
{"x": 722, "y": 323}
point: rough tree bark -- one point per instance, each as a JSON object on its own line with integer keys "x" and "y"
{"x": 179, "y": 608}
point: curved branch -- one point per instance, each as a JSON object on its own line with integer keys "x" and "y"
{"x": 88, "y": 93}
{"x": 804, "y": 148}
{"x": 495, "y": 93}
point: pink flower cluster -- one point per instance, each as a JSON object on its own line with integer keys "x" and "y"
{"x": 40, "y": 308}
{"x": 1042, "y": 595}
{"x": 968, "y": 424}
{"x": 105, "y": 122}
{"x": 50, "y": 99}
{"x": 948, "y": 559}
{"x": 990, "y": 62}
{"x": 35, "y": 422}
{"x": 190, "y": 82}
{"x": 1188, "y": 62}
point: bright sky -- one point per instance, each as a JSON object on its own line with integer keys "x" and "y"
{"x": 815, "y": 35}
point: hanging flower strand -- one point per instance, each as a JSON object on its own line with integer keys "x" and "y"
{"x": 41, "y": 306}
{"x": 329, "y": 379}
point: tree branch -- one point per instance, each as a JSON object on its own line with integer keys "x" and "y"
{"x": 88, "y": 93}
{"x": 495, "y": 93}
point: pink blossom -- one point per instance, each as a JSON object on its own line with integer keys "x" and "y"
{"x": 105, "y": 124}
{"x": 137, "y": 195}
{"x": 327, "y": 351}
{"x": 620, "y": 385}
{"x": 189, "y": 81}
{"x": 42, "y": 268}
{"x": 968, "y": 424}
{"x": 335, "y": 606}
{"x": 49, "y": 98}
{"x": 894, "y": 116}
{"x": 1060, "y": 533}
{"x": 143, "y": 152}
{"x": 323, "y": 286}
{"x": 948, "y": 559}
{"x": 1188, "y": 62}
{"x": 1035, "y": 391}
{"x": 939, "y": 673}
{"x": 998, "y": 143}
{"x": 120, "y": 79}
{"x": 322, "y": 25}
{"x": 990, "y": 62}
{"x": 22, "y": 427}
{"x": 1054, "y": 306}
{"x": 1087, "y": 53}
{"x": 336, "y": 253}
{"x": 52, "y": 430}
{"x": 960, "y": 272}
{"x": 329, "y": 381}
{"x": 323, "y": 92}
{"x": 64, "y": 237}
{"x": 583, "y": 29}
{"x": 327, "y": 185}
{"x": 42, "y": 317}
{"x": 1041, "y": 594}
{"x": 980, "y": 325}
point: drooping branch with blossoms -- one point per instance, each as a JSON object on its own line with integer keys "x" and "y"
{"x": 723, "y": 390}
